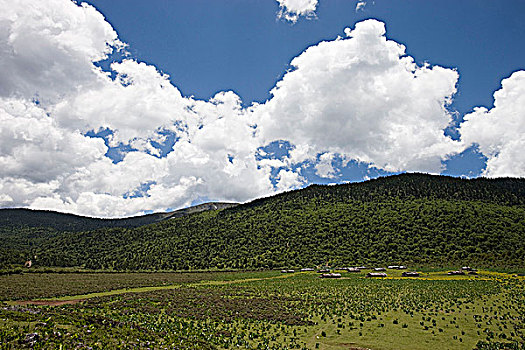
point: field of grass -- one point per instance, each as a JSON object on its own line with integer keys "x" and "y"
{"x": 27, "y": 286}
{"x": 263, "y": 310}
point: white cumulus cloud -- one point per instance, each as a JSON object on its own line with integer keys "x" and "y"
{"x": 362, "y": 97}
{"x": 291, "y": 10}
{"x": 288, "y": 179}
{"x": 355, "y": 98}
{"x": 500, "y": 131}
{"x": 324, "y": 167}
{"x": 360, "y": 6}
{"x": 47, "y": 48}
{"x": 53, "y": 95}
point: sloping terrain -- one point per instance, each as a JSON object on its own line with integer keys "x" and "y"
{"x": 403, "y": 219}
{"x": 70, "y": 222}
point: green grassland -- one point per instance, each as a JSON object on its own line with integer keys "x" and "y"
{"x": 263, "y": 310}
{"x": 101, "y": 290}
{"x": 26, "y": 286}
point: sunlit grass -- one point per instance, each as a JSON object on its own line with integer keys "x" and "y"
{"x": 271, "y": 310}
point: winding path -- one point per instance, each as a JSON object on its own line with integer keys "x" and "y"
{"x": 73, "y": 299}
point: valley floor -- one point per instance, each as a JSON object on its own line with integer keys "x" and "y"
{"x": 261, "y": 310}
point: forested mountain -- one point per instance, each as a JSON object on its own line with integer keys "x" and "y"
{"x": 69, "y": 222}
{"x": 402, "y": 219}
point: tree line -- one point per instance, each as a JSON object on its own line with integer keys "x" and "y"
{"x": 403, "y": 219}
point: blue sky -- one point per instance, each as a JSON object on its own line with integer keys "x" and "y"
{"x": 113, "y": 108}
{"x": 210, "y": 46}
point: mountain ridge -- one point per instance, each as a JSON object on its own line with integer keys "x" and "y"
{"x": 401, "y": 219}
{"x": 75, "y": 222}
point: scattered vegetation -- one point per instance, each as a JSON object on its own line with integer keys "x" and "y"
{"x": 422, "y": 221}
{"x": 28, "y": 286}
{"x": 269, "y": 310}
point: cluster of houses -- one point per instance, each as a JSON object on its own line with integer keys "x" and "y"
{"x": 397, "y": 267}
{"x": 306, "y": 269}
{"x": 410, "y": 274}
{"x": 463, "y": 271}
{"x": 376, "y": 274}
{"x": 326, "y": 271}
{"x": 330, "y": 275}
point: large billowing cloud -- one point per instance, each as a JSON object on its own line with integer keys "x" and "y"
{"x": 53, "y": 96}
{"x": 500, "y": 131}
{"x": 47, "y": 48}
{"x": 36, "y": 155}
{"x": 354, "y": 98}
{"x": 363, "y": 97}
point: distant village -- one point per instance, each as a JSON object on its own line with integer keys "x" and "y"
{"x": 375, "y": 272}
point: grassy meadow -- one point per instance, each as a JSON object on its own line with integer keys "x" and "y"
{"x": 261, "y": 310}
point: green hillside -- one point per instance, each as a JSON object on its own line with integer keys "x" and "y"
{"x": 69, "y": 222}
{"x": 403, "y": 219}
